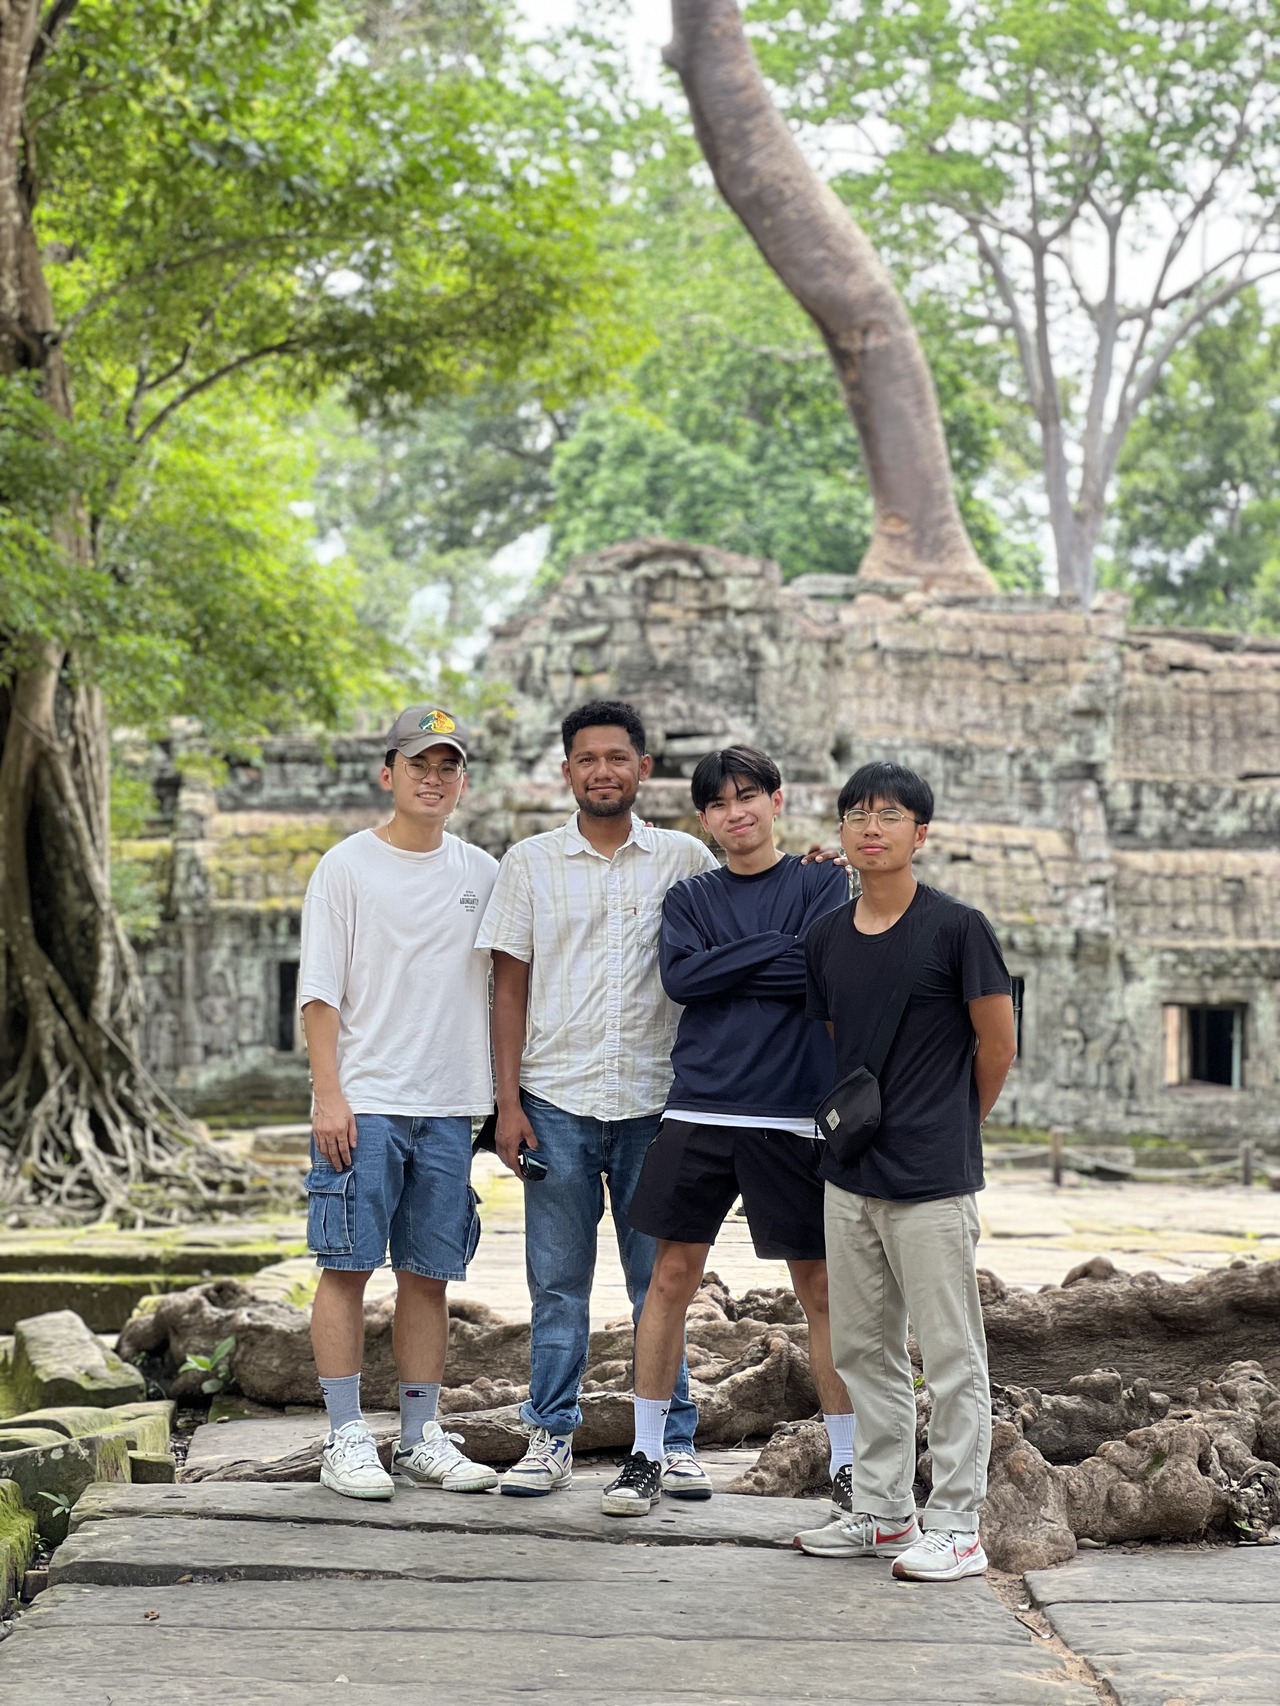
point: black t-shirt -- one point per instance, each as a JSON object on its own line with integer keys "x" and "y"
{"x": 930, "y": 1139}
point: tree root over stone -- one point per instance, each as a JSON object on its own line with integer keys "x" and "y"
{"x": 1081, "y": 1457}
{"x": 747, "y": 1373}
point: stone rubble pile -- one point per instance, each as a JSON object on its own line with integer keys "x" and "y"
{"x": 1159, "y": 1450}
{"x": 72, "y": 1412}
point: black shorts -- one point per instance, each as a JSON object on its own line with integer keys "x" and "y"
{"x": 692, "y": 1174}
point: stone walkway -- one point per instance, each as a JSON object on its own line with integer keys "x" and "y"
{"x": 1172, "y": 1625}
{"x": 232, "y": 1595}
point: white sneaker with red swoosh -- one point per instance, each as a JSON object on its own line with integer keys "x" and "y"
{"x": 860, "y": 1535}
{"x": 941, "y": 1556}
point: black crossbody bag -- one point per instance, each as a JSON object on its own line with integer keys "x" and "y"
{"x": 849, "y": 1118}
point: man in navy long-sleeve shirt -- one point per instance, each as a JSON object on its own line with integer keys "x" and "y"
{"x": 750, "y": 1068}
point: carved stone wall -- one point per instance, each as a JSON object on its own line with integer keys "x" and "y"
{"x": 1110, "y": 797}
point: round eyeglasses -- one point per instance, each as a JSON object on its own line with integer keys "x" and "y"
{"x": 859, "y": 819}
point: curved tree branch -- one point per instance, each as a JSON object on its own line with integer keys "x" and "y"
{"x": 826, "y": 262}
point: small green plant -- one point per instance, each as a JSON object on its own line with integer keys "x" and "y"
{"x": 59, "y": 1501}
{"x": 217, "y": 1365}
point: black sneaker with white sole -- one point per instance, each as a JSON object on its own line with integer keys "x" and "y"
{"x": 842, "y": 1490}
{"x": 636, "y": 1490}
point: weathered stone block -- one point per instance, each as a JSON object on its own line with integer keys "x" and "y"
{"x": 148, "y": 1467}
{"x": 51, "y": 1478}
{"x": 66, "y": 1420}
{"x": 57, "y": 1360}
{"x": 146, "y": 1432}
{"x": 19, "y": 1439}
{"x": 17, "y": 1541}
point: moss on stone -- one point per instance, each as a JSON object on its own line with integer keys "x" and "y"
{"x": 17, "y": 1541}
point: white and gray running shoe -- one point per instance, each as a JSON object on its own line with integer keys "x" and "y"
{"x": 941, "y": 1555}
{"x": 546, "y": 1466}
{"x": 350, "y": 1466}
{"x": 435, "y": 1461}
{"x": 859, "y": 1536}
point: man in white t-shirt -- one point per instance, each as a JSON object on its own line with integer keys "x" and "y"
{"x": 395, "y": 1004}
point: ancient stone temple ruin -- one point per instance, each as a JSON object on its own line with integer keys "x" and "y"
{"x": 1108, "y": 795}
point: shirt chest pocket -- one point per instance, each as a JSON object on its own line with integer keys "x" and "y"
{"x": 642, "y": 923}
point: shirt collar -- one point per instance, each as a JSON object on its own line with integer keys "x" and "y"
{"x": 642, "y": 835}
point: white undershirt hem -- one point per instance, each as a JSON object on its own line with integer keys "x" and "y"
{"x": 798, "y": 1128}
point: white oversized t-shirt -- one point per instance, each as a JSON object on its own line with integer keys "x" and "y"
{"x": 388, "y": 938}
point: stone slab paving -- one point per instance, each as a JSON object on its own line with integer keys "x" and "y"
{"x": 1172, "y": 1626}
{"x": 296, "y": 1596}
{"x": 266, "y": 1439}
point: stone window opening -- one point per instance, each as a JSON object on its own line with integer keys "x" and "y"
{"x": 288, "y": 1019}
{"x": 1204, "y": 1045}
{"x": 1019, "y": 990}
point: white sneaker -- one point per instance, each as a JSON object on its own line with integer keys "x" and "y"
{"x": 859, "y": 1536}
{"x": 941, "y": 1555}
{"x": 349, "y": 1464}
{"x": 683, "y": 1477}
{"x": 435, "y": 1461}
{"x": 546, "y": 1466}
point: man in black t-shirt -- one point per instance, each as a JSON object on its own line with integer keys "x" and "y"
{"x": 901, "y": 1222}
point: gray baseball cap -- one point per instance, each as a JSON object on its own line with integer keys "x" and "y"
{"x": 422, "y": 726}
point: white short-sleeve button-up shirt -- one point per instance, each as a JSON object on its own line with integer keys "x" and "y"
{"x": 600, "y": 1025}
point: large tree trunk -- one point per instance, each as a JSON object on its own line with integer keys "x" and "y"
{"x": 83, "y": 1129}
{"x": 828, "y": 265}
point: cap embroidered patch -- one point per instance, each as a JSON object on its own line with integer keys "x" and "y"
{"x": 438, "y": 723}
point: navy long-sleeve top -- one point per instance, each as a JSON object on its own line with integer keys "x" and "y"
{"x": 732, "y": 954}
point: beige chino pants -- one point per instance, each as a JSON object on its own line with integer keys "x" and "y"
{"x": 888, "y": 1261}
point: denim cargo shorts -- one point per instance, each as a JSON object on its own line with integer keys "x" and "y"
{"x": 409, "y": 1187}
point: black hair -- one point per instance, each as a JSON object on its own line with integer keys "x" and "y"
{"x": 717, "y": 768}
{"x": 604, "y": 713}
{"x": 893, "y": 784}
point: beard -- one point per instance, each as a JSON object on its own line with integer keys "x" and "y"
{"x": 606, "y": 808}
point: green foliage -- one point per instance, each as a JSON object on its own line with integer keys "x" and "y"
{"x": 733, "y": 431}
{"x": 1091, "y": 106}
{"x": 217, "y": 1365}
{"x": 1198, "y": 538}
{"x": 245, "y": 205}
{"x": 1091, "y": 180}
{"x": 232, "y": 184}
{"x": 420, "y": 506}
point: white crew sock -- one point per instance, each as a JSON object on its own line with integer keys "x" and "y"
{"x": 651, "y": 1425}
{"x": 840, "y": 1431}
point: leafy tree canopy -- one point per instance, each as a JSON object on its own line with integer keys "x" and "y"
{"x": 1198, "y": 536}
{"x": 244, "y": 204}
{"x": 727, "y": 427}
{"x": 1101, "y": 177}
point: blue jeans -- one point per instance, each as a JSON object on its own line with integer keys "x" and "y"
{"x": 561, "y": 1214}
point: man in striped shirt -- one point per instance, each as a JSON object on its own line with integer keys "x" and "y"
{"x": 582, "y": 1033}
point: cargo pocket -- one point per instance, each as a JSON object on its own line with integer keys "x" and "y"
{"x": 328, "y": 1214}
{"x": 473, "y": 1230}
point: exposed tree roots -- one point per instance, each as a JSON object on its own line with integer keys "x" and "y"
{"x": 85, "y": 1132}
{"x": 1081, "y": 1457}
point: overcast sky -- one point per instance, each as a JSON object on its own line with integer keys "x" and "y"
{"x": 650, "y": 28}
